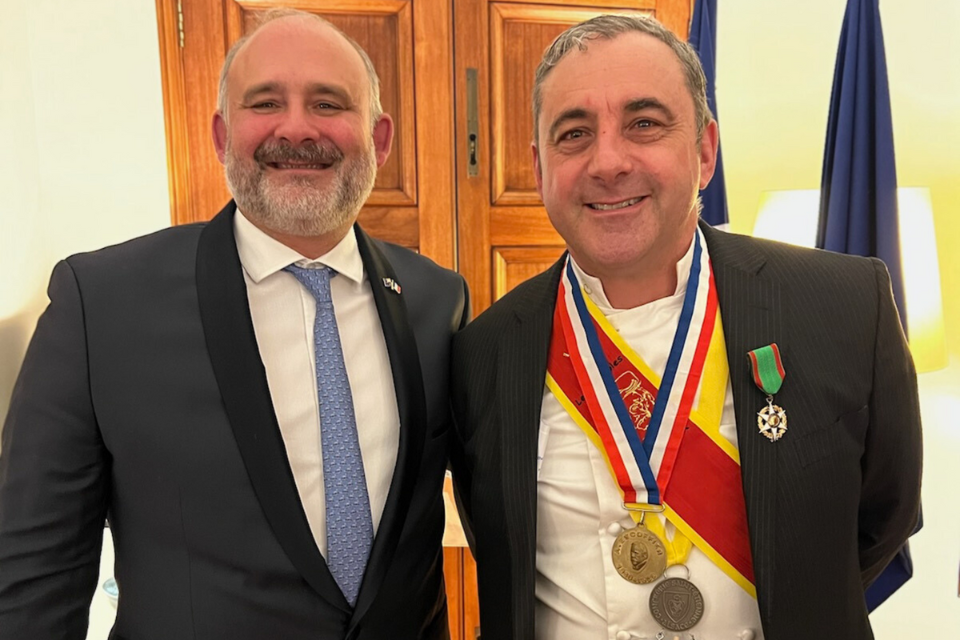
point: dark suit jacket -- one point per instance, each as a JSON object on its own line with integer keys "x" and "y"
{"x": 828, "y": 505}
{"x": 143, "y": 397}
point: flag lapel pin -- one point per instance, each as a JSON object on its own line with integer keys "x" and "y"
{"x": 392, "y": 284}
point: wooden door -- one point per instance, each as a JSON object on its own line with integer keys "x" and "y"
{"x": 410, "y": 44}
{"x": 504, "y": 234}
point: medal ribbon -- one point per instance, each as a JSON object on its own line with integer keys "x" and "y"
{"x": 767, "y": 368}
{"x": 654, "y": 455}
{"x": 678, "y": 547}
{"x": 590, "y": 367}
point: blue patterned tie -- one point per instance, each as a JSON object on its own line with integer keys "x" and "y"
{"x": 349, "y": 524}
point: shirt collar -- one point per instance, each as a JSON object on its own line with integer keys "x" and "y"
{"x": 594, "y": 287}
{"x": 262, "y": 256}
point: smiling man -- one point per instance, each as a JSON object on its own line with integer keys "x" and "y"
{"x": 675, "y": 432}
{"x": 259, "y": 404}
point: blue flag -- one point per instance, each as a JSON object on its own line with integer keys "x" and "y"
{"x": 858, "y": 193}
{"x": 703, "y": 38}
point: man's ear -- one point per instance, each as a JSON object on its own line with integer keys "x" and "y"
{"x": 709, "y": 144}
{"x": 537, "y": 173}
{"x": 219, "y": 132}
{"x": 383, "y": 138}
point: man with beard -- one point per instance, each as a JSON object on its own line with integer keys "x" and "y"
{"x": 258, "y": 404}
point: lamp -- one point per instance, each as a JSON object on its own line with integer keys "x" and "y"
{"x": 791, "y": 216}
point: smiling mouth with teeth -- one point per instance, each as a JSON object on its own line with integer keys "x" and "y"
{"x": 616, "y": 205}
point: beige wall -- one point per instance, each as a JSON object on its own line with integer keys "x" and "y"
{"x": 83, "y": 165}
{"x": 83, "y": 154}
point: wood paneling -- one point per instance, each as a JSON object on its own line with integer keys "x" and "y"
{"x": 471, "y": 599}
{"x": 514, "y": 265}
{"x": 512, "y": 226}
{"x": 174, "y": 110}
{"x": 433, "y": 58}
{"x": 460, "y": 574}
{"x": 190, "y": 66}
{"x": 453, "y": 577}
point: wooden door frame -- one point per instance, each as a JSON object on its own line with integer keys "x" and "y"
{"x": 174, "y": 109}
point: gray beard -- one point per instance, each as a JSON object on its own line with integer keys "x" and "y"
{"x": 295, "y": 206}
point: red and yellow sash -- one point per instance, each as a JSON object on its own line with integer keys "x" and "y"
{"x": 668, "y": 453}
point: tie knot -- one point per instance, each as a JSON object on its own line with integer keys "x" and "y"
{"x": 316, "y": 281}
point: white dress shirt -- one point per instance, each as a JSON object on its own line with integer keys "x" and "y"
{"x": 283, "y": 314}
{"x": 580, "y": 596}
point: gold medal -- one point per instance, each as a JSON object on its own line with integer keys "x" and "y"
{"x": 639, "y": 556}
{"x": 772, "y": 421}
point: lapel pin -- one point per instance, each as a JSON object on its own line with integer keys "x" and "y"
{"x": 392, "y": 284}
{"x": 767, "y": 368}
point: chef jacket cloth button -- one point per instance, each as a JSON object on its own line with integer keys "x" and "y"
{"x": 614, "y": 529}
{"x": 623, "y": 635}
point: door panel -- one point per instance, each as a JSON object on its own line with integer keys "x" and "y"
{"x": 513, "y": 265}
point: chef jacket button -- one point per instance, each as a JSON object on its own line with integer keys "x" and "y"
{"x": 614, "y": 529}
{"x": 623, "y": 635}
{"x": 747, "y": 634}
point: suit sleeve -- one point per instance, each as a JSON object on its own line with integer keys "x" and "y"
{"x": 466, "y": 313}
{"x": 456, "y": 460}
{"x": 53, "y": 480}
{"x": 892, "y": 460}
{"x": 463, "y": 357}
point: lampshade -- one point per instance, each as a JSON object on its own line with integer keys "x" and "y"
{"x": 791, "y": 216}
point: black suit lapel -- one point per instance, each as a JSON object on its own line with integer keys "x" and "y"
{"x": 520, "y": 381}
{"x": 239, "y": 371}
{"x": 750, "y": 310}
{"x": 412, "y": 407}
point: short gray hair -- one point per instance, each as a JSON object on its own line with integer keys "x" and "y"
{"x": 608, "y": 27}
{"x": 376, "y": 109}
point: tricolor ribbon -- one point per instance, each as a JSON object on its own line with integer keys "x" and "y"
{"x": 654, "y": 456}
{"x": 704, "y": 498}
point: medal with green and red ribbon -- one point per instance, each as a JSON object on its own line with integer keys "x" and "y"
{"x": 767, "y": 368}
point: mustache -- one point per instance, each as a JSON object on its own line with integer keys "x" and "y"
{"x": 310, "y": 152}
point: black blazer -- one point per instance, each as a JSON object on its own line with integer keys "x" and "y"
{"x": 143, "y": 397}
{"x": 828, "y": 505}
